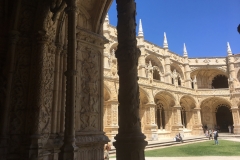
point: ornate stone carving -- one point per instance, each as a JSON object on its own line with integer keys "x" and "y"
{"x": 89, "y": 98}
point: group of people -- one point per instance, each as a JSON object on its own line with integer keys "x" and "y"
{"x": 178, "y": 138}
{"x": 212, "y": 134}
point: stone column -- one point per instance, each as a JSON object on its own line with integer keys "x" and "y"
{"x": 69, "y": 149}
{"x": 197, "y": 126}
{"x": 187, "y": 72}
{"x": 150, "y": 128}
{"x": 5, "y": 110}
{"x": 236, "y": 117}
{"x": 41, "y": 93}
{"x": 168, "y": 78}
{"x": 195, "y": 86}
{"x": 111, "y": 119}
{"x": 107, "y": 53}
{"x": 141, "y": 60}
{"x": 142, "y": 65}
{"x": 90, "y": 137}
{"x": 232, "y": 74}
{"x": 56, "y": 90}
{"x": 13, "y": 38}
{"x": 177, "y": 121}
{"x": 63, "y": 93}
{"x": 129, "y": 133}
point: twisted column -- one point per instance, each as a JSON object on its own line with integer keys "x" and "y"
{"x": 129, "y": 133}
{"x": 69, "y": 149}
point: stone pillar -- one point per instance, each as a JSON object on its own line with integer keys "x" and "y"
{"x": 232, "y": 74}
{"x": 188, "y": 81}
{"x": 129, "y": 132}
{"x": 168, "y": 78}
{"x": 142, "y": 65}
{"x": 111, "y": 119}
{"x": 69, "y": 149}
{"x": 195, "y": 86}
{"x": 62, "y": 95}
{"x": 197, "y": 126}
{"x": 13, "y": 37}
{"x": 5, "y": 110}
{"x": 236, "y": 117}
{"x": 150, "y": 128}
{"x": 90, "y": 137}
{"x": 141, "y": 60}
{"x": 177, "y": 121}
{"x": 41, "y": 93}
{"x": 56, "y": 90}
{"x": 107, "y": 52}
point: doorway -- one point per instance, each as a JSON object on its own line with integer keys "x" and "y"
{"x": 224, "y": 118}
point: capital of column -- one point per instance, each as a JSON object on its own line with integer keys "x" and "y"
{"x": 42, "y": 37}
{"x": 70, "y": 9}
{"x": 150, "y": 105}
{"x": 197, "y": 109}
{"x": 177, "y": 107}
{"x": 234, "y": 108}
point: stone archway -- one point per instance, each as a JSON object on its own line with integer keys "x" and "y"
{"x": 209, "y": 108}
{"x": 163, "y": 113}
{"x": 187, "y": 111}
{"x": 223, "y": 117}
{"x": 160, "y": 116}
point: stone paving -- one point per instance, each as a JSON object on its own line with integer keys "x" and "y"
{"x": 230, "y": 138}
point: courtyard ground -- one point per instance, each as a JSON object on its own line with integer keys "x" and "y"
{"x": 224, "y": 136}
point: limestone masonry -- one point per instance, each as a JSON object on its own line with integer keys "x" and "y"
{"x": 178, "y": 94}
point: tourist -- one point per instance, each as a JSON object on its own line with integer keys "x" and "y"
{"x": 215, "y": 134}
{"x": 230, "y": 128}
{"x": 206, "y": 133}
{"x": 178, "y": 138}
{"x": 210, "y": 133}
{"x": 107, "y": 148}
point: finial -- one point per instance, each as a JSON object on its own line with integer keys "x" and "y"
{"x": 140, "y": 30}
{"x": 107, "y": 18}
{"x": 165, "y": 43}
{"x": 229, "y": 51}
{"x": 185, "y": 54}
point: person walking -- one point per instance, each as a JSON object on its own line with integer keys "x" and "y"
{"x": 215, "y": 134}
{"x": 210, "y": 133}
{"x": 107, "y": 148}
{"x": 230, "y": 129}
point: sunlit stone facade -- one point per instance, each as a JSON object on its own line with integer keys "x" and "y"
{"x": 177, "y": 93}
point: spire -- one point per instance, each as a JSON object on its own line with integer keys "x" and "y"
{"x": 140, "y": 30}
{"x": 185, "y": 54}
{"x": 229, "y": 51}
{"x": 165, "y": 43}
{"x": 107, "y": 18}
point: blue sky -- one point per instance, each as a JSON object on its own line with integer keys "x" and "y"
{"x": 204, "y": 25}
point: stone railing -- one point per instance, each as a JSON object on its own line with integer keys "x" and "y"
{"x": 237, "y": 90}
{"x": 214, "y": 92}
{"x": 172, "y": 88}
